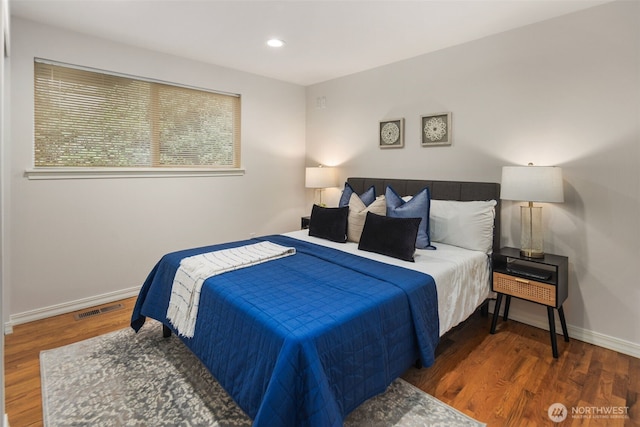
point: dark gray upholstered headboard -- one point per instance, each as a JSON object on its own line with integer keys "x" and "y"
{"x": 440, "y": 190}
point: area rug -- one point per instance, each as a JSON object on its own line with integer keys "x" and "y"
{"x": 128, "y": 379}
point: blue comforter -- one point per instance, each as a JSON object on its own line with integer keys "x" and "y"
{"x": 304, "y": 340}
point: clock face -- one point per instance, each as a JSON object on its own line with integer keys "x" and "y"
{"x": 390, "y": 133}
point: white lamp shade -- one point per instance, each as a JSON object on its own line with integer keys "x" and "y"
{"x": 320, "y": 177}
{"x": 532, "y": 184}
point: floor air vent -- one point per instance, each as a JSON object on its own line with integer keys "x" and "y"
{"x": 97, "y": 311}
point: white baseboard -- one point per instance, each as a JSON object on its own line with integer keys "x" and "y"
{"x": 6, "y": 420}
{"x": 581, "y": 334}
{"x": 67, "y": 307}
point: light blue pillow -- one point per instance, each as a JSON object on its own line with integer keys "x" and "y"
{"x": 367, "y": 197}
{"x": 417, "y": 207}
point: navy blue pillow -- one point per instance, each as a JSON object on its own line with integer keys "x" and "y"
{"x": 394, "y": 237}
{"x": 329, "y": 223}
{"x": 417, "y": 207}
{"x": 367, "y": 197}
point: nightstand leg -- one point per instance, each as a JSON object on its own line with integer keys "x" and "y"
{"x": 564, "y": 324}
{"x": 484, "y": 309}
{"x": 552, "y": 331}
{"x": 507, "y": 303}
{"x": 496, "y": 313}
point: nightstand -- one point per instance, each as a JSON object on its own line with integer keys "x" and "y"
{"x": 540, "y": 280}
{"x": 304, "y": 222}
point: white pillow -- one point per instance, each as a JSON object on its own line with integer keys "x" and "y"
{"x": 465, "y": 224}
{"x": 358, "y": 214}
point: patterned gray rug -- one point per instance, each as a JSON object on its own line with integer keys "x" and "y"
{"x": 127, "y": 379}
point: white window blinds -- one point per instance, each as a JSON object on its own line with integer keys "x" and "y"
{"x": 93, "y": 119}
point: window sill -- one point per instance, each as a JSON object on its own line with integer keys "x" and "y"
{"x": 113, "y": 173}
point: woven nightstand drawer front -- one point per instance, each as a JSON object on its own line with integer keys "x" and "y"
{"x": 523, "y": 288}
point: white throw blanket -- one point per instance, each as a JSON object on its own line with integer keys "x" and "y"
{"x": 193, "y": 271}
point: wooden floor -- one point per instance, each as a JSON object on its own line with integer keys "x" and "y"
{"x": 506, "y": 379}
{"x": 23, "y": 401}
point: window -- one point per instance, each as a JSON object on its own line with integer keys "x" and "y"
{"x": 92, "y": 119}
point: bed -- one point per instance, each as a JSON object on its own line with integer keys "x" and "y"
{"x": 305, "y": 339}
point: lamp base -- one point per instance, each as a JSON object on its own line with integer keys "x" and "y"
{"x": 531, "y": 253}
{"x": 531, "y": 242}
{"x": 319, "y": 192}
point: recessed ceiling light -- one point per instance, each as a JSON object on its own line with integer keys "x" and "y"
{"x": 275, "y": 43}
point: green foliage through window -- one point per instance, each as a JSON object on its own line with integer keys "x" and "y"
{"x": 92, "y": 119}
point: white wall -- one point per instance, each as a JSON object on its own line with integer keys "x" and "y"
{"x": 71, "y": 240}
{"x": 563, "y": 92}
{"x": 4, "y": 28}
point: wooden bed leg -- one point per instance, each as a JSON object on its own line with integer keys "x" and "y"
{"x": 166, "y": 332}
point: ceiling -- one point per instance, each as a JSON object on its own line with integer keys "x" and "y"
{"x": 324, "y": 39}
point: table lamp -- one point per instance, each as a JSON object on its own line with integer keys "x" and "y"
{"x": 532, "y": 184}
{"x": 320, "y": 177}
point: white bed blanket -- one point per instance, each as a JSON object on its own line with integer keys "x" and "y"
{"x": 193, "y": 271}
